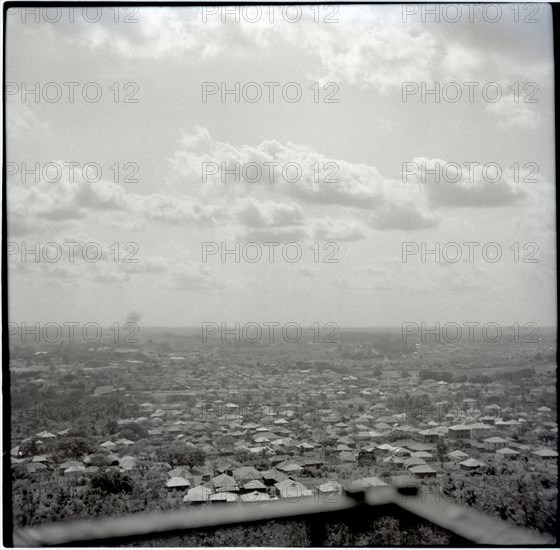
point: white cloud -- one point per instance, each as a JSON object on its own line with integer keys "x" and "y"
{"x": 512, "y": 113}
{"x": 255, "y": 214}
{"x": 193, "y": 278}
{"x": 320, "y": 181}
{"x": 273, "y": 234}
{"x": 402, "y": 216}
{"x": 328, "y": 229}
{"x": 474, "y": 185}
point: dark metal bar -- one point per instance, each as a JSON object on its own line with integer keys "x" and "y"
{"x": 465, "y": 523}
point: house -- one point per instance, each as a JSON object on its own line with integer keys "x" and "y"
{"x": 458, "y": 456}
{"x": 246, "y": 473}
{"x": 178, "y": 483}
{"x": 386, "y": 448}
{"x": 367, "y": 435}
{"x": 180, "y": 471}
{"x": 225, "y": 483}
{"x": 127, "y": 463}
{"x": 495, "y": 443}
{"x": 480, "y": 430}
{"x": 545, "y": 453}
{"x": 424, "y": 455}
{"x": 310, "y": 460}
{"x": 70, "y": 464}
{"x": 413, "y": 462}
{"x": 292, "y": 489}
{"x": 422, "y": 471}
{"x": 253, "y": 485}
{"x": 471, "y": 464}
{"x": 347, "y": 456}
{"x": 429, "y": 436}
{"x": 225, "y": 497}
{"x": 459, "y": 431}
{"x": 506, "y": 452}
{"x": 255, "y": 496}
{"x": 330, "y": 487}
{"x": 416, "y": 446}
{"x": 271, "y": 477}
{"x": 225, "y": 467}
{"x": 402, "y": 452}
{"x": 225, "y": 444}
{"x": 198, "y": 495}
{"x": 289, "y": 467}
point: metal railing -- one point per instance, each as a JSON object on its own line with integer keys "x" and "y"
{"x": 465, "y": 525}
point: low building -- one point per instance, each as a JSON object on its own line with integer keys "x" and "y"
{"x": 507, "y": 453}
{"x": 495, "y": 443}
{"x": 198, "y": 495}
{"x": 545, "y": 453}
{"x": 471, "y": 464}
{"x": 458, "y": 456}
{"x": 459, "y": 431}
{"x": 422, "y": 471}
{"x": 178, "y": 483}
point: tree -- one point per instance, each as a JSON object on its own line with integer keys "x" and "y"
{"x": 31, "y": 447}
{"x": 72, "y": 447}
{"x": 111, "y": 426}
{"x": 112, "y": 482}
{"x": 178, "y": 454}
{"x": 134, "y": 432}
{"x": 441, "y": 451}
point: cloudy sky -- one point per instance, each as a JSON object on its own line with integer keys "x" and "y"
{"x": 351, "y": 154}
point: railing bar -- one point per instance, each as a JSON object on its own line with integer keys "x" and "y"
{"x": 466, "y": 523}
{"x": 156, "y": 523}
{"x": 471, "y": 524}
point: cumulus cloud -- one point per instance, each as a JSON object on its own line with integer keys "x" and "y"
{"x": 22, "y": 118}
{"x": 83, "y": 262}
{"x": 374, "y": 54}
{"x": 320, "y": 181}
{"x": 289, "y": 169}
{"x": 191, "y": 278}
{"x": 512, "y": 113}
{"x": 328, "y": 229}
{"x": 77, "y": 199}
{"x": 253, "y": 213}
{"x": 402, "y": 216}
{"x": 463, "y": 185}
{"x": 273, "y": 234}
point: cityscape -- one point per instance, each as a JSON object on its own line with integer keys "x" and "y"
{"x": 174, "y": 422}
{"x": 279, "y": 275}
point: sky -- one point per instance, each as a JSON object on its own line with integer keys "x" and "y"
{"x": 157, "y": 147}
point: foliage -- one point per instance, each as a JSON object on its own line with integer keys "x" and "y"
{"x": 111, "y": 482}
{"x": 178, "y": 454}
{"x": 72, "y": 447}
